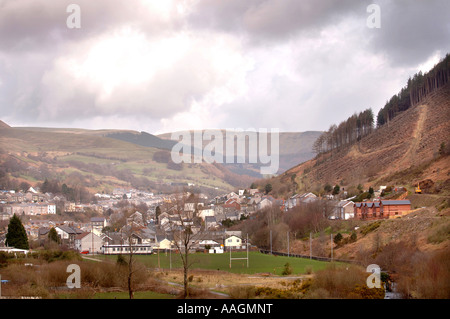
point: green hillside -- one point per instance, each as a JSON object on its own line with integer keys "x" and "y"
{"x": 143, "y": 139}
{"x": 101, "y": 163}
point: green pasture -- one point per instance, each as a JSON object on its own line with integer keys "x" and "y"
{"x": 258, "y": 262}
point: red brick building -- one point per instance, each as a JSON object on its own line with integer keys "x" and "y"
{"x": 395, "y": 208}
{"x": 383, "y": 209}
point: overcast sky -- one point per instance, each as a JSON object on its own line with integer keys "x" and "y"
{"x": 161, "y": 66}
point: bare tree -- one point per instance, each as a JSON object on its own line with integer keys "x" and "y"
{"x": 128, "y": 233}
{"x": 185, "y": 236}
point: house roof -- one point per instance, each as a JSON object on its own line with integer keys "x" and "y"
{"x": 82, "y": 235}
{"x": 232, "y": 213}
{"x": 305, "y": 195}
{"x": 232, "y": 236}
{"x": 145, "y": 233}
{"x": 43, "y": 230}
{"x": 161, "y": 237}
{"x": 70, "y": 230}
{"x": 396, "y": 202}
{"x": 308, "y": 200}
{"x": 344, "y": 203}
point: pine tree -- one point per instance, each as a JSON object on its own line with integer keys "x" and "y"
{"x": 16, "y": 236}
{"x": 53, "y": 235}
{"x": 268, "y": 188}
{"x": 337, "y": 239}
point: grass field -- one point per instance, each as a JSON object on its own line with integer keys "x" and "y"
{"x": 258, "y": 262}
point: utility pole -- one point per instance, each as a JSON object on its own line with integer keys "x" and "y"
{"x": 247, "y": 250}
{"x": 271, "y": 242}
{"x": 170, "y": 256}
{"x": 288, "y": 243}
{"x": 331, "y": 242}
{"x": 92, "y": 235}
{"x": 310, "y": 247}
{"x": 230, "y": 257}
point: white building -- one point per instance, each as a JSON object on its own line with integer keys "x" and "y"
{"x": 30, "y": 209}
{"x": 88, "y": 242}
{"x": 233, "y": 242}
{"x": 51, "y": 209}
{"x": 343, "y": 210}
{"x": 205, "y": 212}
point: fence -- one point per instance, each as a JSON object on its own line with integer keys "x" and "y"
{"x": 319, "y": 258}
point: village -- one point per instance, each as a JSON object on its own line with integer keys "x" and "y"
{"x": 145, "y": 222}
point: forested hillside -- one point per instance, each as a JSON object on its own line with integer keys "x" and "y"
{"x": 418, "y": 88}
{"x": 347, "y": 132}
{"x": 411, "y": 147}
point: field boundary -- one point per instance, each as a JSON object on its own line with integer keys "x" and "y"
{"x": 319, "y": 258}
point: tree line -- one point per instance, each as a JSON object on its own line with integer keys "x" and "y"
{"x": 347, "y": 132}
{"x": 362, "y": 124}
{"x": 417, "y": 88}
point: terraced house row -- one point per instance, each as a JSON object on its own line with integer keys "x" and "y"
{"x": 382, "y": 209}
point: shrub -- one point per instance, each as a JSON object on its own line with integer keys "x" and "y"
{"x": 4, "y": 257}
{"x": 242, "y": 292}
{"x": 364, "y": 292}
{"x": 362, "y": 196}
{"x": 341, "y": 282}
{"x": 33, "y": 290}
{"x": 336, "y": 190}
{"x": 121, "y": 261}
{"x": 370, "y": 227}
{"x": 337, "y": 239}
{"x": 439, "y": 234}
{"x": 55, "y": 255}
{"x": 443, "y": 205}
{"x": 287, "y": 269}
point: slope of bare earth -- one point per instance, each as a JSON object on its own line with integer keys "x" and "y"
{"x": 411, "y": 140}
{"x": 3, "y": 125}
{"x": 426, "y": 228}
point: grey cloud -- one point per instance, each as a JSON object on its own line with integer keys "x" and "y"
{"x": 272, "y": 20}
{"x": 33, "y": 34}
{"x": 411, "y": 31}
{"x": 41, "y": 24}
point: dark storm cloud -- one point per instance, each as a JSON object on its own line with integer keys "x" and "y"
{"x": 184, "y": 62}
{"x": 411, "y": 31}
